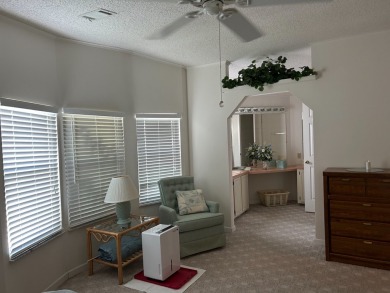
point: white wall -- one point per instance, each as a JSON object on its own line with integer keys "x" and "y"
{"x": 209, "y": 137}
{"x": 37, "y": 67}
{"x": 350, "y": 103}
{"x": 294, "y": 139}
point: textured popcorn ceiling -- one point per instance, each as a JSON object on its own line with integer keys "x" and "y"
{"x": 285, "y": 28}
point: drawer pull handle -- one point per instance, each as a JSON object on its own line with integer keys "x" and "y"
{"x": 367, "y": 224}
{"x": 366, "y": 204}
{"x": 345, "y": 179}
{"x": 367, "y": 242}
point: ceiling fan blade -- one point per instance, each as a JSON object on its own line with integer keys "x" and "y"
{"x": 239, "y": 25}
{"x": 170, "y": 28}
{"x": 253, "y": 3}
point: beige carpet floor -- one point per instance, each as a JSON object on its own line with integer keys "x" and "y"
{"x": 272, "y": 250}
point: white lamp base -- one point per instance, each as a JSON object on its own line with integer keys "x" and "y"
{"x": 123, "y": 212}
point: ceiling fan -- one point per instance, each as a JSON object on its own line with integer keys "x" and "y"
{"x": 230, "y": 17}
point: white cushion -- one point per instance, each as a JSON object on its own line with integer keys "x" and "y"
{"x": 191, "y": 201}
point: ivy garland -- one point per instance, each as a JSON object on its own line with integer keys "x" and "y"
{"x": 270, "y": 72}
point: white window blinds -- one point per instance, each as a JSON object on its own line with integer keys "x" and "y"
{"x": 31, "y": 177}
{"x": 94, "y": 152}
{"x": 159, "y": 153}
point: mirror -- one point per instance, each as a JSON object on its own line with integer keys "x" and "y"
{"x": 269, "y": 128}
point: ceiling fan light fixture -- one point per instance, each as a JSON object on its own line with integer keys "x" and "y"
{"x": 213, "y": 7}
{"x": 231, "y": 18}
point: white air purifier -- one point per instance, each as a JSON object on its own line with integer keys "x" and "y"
{"x": 161, "y": 251}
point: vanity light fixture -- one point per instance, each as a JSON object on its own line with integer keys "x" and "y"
{"x": 254, "y": 110}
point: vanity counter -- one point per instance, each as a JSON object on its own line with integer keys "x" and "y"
{"x": 239, "y": 173}
{"x": 254, "y": 171}
{"x": 272, "y": 178}
{"x": 275, "y": 170}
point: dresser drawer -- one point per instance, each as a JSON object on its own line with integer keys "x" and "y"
{"x": 377, "y": 187}
{"x": 360, "y": 211}
{"x": 347, "y": 186}
{"x": 361, "y": 248}
{"x": 360, "y": 229}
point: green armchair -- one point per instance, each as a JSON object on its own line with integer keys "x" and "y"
{"x": 197, "y": 232}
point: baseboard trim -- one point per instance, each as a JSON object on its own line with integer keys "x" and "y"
{"x": 230, "y": 229}
{"x": 71, "y": 273}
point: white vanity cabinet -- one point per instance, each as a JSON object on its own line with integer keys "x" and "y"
{"x": 241, "y": 194}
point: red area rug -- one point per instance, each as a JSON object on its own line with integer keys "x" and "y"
{"x": 176, "y": 281}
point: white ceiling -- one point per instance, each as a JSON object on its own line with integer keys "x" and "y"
{"x": 284, "y": 27}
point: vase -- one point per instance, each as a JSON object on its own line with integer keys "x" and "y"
{"x": 254, "y": 163}
{"x": 265, "y": 165}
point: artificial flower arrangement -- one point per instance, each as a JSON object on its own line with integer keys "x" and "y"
{"x": 265, "y": 153}
{"x": 252, "y": 152}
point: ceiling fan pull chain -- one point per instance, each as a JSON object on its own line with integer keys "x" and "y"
{"x": 220, "y": 60}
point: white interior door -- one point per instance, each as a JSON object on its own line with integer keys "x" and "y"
{"x": 308, "y": 155}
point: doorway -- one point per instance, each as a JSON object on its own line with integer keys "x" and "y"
{"x": 295, "y": 153}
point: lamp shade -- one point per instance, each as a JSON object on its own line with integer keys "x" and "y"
{"x": 121, "y": 189}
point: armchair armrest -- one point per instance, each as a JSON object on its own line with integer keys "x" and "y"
{"x": 213, "y": 206}
{"x": 167, "y": 215}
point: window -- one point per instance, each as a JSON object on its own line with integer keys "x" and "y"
{"x": 94, "y": 152}
{"x": 159, "y": 152}
{"x": 31, "y": 175}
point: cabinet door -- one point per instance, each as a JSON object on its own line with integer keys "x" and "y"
{"x": 237, "y": 196}
{"x": 300, "y": 187}
{"x": 244, "y": 193}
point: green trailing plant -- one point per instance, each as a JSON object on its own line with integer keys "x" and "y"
{"x": 270, "y": 72}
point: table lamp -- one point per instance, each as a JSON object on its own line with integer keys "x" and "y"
{"x": 120, "y": 192}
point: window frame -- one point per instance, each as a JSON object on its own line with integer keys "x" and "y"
{"x": 46, "y": 199}
{"x": 147, "y": 185}
{"x": 106, "y": 210}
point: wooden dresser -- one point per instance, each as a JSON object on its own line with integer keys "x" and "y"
{"x": 357, "y": 217}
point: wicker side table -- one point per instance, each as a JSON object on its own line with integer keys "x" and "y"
{"x": 106, "y": 231}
